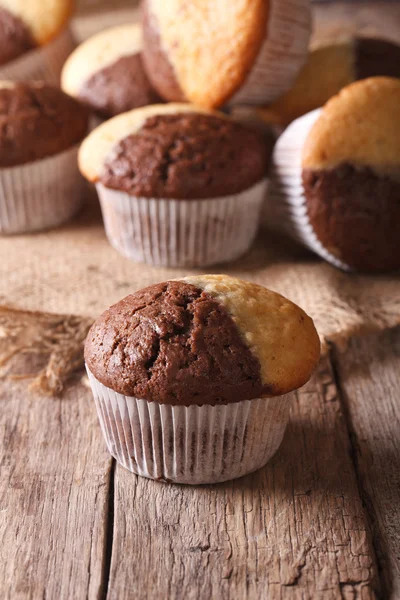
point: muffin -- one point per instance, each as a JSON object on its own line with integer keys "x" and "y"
{"x": 328, "y": 70}
{"x": 335, "y": 182}
{"x": 178, "y": 185}
{"x": 212, "y": 52}
{"x": 34, "y": 39}
{"x": 40, "y": 184}
{"x": 106, "y": 72}
{"x": 192, "y": 377}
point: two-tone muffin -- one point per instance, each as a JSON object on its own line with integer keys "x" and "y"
{"x": 40, "y": 129}
{"x": 106, "y": 72}
{"x": 329, "y": 69}
{"x": 210, "y": 52}
{"x": 192, "y": 377}
{"x": 335, "y": 182}
{"x": 178, "y": 185}
{"x": 34, "y": 39}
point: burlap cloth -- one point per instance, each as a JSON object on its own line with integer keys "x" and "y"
{"x": 74, "y": 271}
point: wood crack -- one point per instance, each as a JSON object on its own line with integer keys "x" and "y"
{"x": 109, "y": 535}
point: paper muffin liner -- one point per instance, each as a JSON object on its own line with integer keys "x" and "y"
{"x": 285, "y": 206}
{"x": 43, "y": 63}
{"x": 40, "y": 194}
{"x": 182, "y": 233}
{"x": 193, "y": 444}
{"x": 282, "y": 54}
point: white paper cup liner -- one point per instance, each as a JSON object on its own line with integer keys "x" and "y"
{"x": 194, "y": 444}
{"x": 285, "y": 206}
{"x": 282, "y": 54}
{"x": 40, "y": 194}
{"x": 182, "y": 233}
{"x": 42, "y": 64}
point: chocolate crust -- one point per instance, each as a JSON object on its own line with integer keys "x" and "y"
{"x": 119, "y": 87}
{"x": 172, "y": 343}
{"x": 38, "y": 121}
{"x": 15, "y": 37}
{"x": 187, "y": 156}
{"x": 374, "y": 57}
{"x": 355, "y": 213}
{"x": 159, "y": 70}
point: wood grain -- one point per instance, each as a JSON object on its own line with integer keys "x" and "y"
{"x": 296, "y": 529}
{"x": 53, "y": 495}
{"x": 370, "y": 377}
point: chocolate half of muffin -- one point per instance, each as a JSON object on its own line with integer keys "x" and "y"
{"x": 15, "y": 37}
{"x": 37, "y": 120}
{"x": 355, "y": 213}
{"x": 182, "y": 343}
{"x": 118, "y": 87}
{"x": 187, "y": 156}
{"x": 373, "y": 57}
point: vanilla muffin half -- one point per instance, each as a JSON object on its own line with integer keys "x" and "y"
{"x": 210, "y": 52}
{"x": 330, "y": 68}
{"x": 192, "y": 377}
{"x": 106, "y": 72}
{"x": 336, "y": 178}
{"x": 34, "y": 38}
{"x": 178, "y": 185}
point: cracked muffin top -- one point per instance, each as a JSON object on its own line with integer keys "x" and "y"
{"x": 174, "y": 151}
{"x": 209, "y": 339}
{"x": 37, "y": 120}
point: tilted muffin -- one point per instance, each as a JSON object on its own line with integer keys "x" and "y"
{"x": 106, "y": 72}
{"x": 335, "y": 178}
{"x": 40, "y": 184}
{"x": 213, "y": 51}
{"x": 178, "y": 185}
{"x": 329, "y": 69}
{"x": 192, "y": 377}
{"x": 34, "y": 38}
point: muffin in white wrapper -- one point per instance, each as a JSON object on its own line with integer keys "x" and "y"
{"x": 228, "y": 53}
{"x": 41, "y": 194}
{"x": 182, "y": 233}
{"x": 190, "y": 444}
{"x": 193, "y": 378}
{"x": 335, "y": 183}
{"x": 179, "y": 186}
{"x": 43, "y": 63}
{"x": 285, "y": 206}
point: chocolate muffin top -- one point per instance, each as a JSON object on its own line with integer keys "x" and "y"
{"x": 37, "y": 120}
{"x": 210, "y": 339}
{"x": 175, "y": 151}
{"x": 15, "y": 37}
{"x": 106, "y": 72}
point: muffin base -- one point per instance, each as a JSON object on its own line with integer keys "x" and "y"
{"x": 281, "y": 56}
{"x": 193, "y": 444}
{"x": 41, "y": 64}
{"x": 285, "y": 208}
{"x": 182, "y": 233}
{"x": 40, "y": 194}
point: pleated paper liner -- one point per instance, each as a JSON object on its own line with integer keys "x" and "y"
{"x": 285, "y": 207}
{"x": 194, "y": 444}
{"x": 40, "y": 194}
{"x": 282, "y": 54}
{"x": 41, "y": 64}
{"x": 182, "y": 233}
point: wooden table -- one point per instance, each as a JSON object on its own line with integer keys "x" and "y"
{"x": 321, "y": 520}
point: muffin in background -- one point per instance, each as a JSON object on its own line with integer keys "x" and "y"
{"x": 335, "y": 180}
{"x": 329, "y": 69}
{"x": 106, "y": 72}
{"x": 34, "y": 39}
{"x": 40, "y": 129}
{"x": 247, "y": 52}
{"x": 178, "y": 185}
{"x": 192, "y": 377}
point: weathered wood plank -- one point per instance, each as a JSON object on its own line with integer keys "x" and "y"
{"x": 296, "y": 529}
{"x": 370, "y": 377}
{"x": 54, "y": 475}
